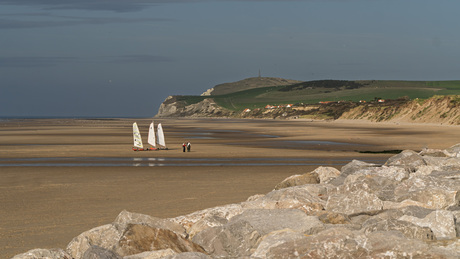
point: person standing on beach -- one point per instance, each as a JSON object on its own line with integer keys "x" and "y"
{"x": 189, "y": 146}
{"x": 183, "y": 147}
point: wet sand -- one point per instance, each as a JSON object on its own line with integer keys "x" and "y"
{"x": 46, "y": 206}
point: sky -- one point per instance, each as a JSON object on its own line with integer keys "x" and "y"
{"x": 122, "y": 58}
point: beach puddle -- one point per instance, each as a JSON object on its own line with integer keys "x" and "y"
{"x": 305, "y": 145}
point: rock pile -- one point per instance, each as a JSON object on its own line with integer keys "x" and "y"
{"x": 407, "y": 208}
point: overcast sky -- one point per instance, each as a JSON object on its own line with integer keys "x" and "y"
{"x": 122, "y": 58}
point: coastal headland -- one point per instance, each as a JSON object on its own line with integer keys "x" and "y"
{"x": 60, "y": 177}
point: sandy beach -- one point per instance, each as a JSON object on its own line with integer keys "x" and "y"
{"x": 61, "y": 177}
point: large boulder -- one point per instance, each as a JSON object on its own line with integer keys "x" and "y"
{"x": 454, "y": 151}
{"x": 409, "y": 230}
{"x": 306, "y": 198}
{"x": 207, "y": 222}
{"x": 393, "y": 244}
{"x": 232, "y": 240}
{"x": 55, "y": 253}
{"x": 359, "y": 194}
{"x": 141, "y": 238}
{"x": 341, "y": 242}
{"x": 407, "y": 159}
{"x": 350, "y": 168}
{"x": 96, "y": 252}
{"x": 296, "y": 180}
{"x": 105, "y": 237}
{"x": 326, "y": 173}
{"x": 187, "y": 255}
{"x": 223, "y": 212}
{"x": 240, "y": 235}
{"x": 126, "y": 218}
{"x": 277, "y": 240}
{"x": 157, "y": 254}
{"x": 441, "y": 222}
{"x": 430, "y": 191}
{"x": 108, "y": 236}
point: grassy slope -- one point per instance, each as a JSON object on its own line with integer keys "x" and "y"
{"x": 259, "y": 97}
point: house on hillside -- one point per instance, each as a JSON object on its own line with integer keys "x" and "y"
{"x": 247, "y": 110}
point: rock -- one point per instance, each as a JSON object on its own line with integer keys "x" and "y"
{"x": 188, "y": 255}
{"x": 140, "y": 238}
{"x": 388, "y": 172}
{"x": 105, "y": 237}
{"x": 266, "y": 221}
{"x": 382, "y": 186}
{"x": 454, "y": 151}
{"x": 409, "y": 230}
{"x": 326, "y": 173}
{"x": 328, "y": 217}
{"x": 441, "y": 163}
{"x": 233, "y": 240}
{"x": 152, "y": 254}
{"x": 456, "y": 214}
{"x": 296, "y": 180}
{"x": 276, "y": 240}
{"x": 224, "y": 212}
{"x": 454, "y": 247}
{"x": 240, "y": 235}
{"x": 331, "y": 243}
{"x": 352, "y": 167}
{"x": 407, "y": 159}
{"x": 344, "y": 243}
{"x": 354, "y": 202}
{"x": 44, "y": 253}
{"x": 384, "y": 244}
{"x": 430, "y": 192}
{"x": 96, "y": 252}
{"x": 451, "y": 175}
{"x": 126, "y": 218}
{"x": 360, "y": 194}
{"x": 433, "y": 152}
{"x": 207, "y": 222}
{"x": 305, "y": 198}
{"x": 441, "y": 222}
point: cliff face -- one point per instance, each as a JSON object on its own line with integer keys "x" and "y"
{"x": 438, "y": 109}
{"x": 172, "y": 107}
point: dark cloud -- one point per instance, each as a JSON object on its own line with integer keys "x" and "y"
{"x": 95, "y": 5}
{"x": 60, "y": 21}
{"x": 139, "y": 59}
{"x": 34, "y": 61}
{"x": 25, "y": 62}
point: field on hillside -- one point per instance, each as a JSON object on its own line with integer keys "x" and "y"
{"x": 330, "y": 90}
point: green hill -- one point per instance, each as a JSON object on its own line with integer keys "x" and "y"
{"x": 327, "y": 90}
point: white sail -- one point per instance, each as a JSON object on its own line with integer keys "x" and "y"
{"x": 151, "y": 138}
{"x": 137, "y": 136}
{"x": 161, "y": 136}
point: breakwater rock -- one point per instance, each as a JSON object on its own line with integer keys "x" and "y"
{"x": 407, "y": 208}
